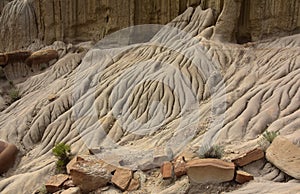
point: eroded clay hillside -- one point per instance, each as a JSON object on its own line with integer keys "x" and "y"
{"x": 188, "y": 86}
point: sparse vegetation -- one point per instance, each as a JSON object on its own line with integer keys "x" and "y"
{"x": 14, "y": 94}
{"x": 62, "y": 152}
{"x": 270, "y": 135}
{"x": 214, "y": 151}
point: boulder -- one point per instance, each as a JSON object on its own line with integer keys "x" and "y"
{"x": 8, "y": 153}
{"x": 247, "y": 158}
{"x": 210, "y": 171}
{"x": 122, "y": 178}
{"x": 285, "y": 155}
{"x": 243, "y": 177}
{"x": 42, "y": 56}
{"x": 167, "y": 170}
{"x": 90, "y": 175}
{"x": 55, "y": 183}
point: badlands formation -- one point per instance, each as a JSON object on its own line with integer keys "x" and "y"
{"x": 220, "y": 73}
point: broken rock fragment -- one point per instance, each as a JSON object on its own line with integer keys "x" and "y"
{"x": 122, "y": 178}
{"x": 247, "y": 158}
{"x": 167, "y": 170}
{"x": 90, "y": 175}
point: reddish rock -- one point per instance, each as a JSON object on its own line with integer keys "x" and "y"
{"x": 55, "y": 183}
{"x": 122, "y": 178}
{"x": 167, "y": 170}
{"x": 8, "y": 153}
{"x": 249, "y": 157}
{"x": 90, "y": 175}
{"x": 210, "y": 171}
{"x": 134, "y": 185}
{"x": 179, "y": 167}
{"x": 243, "y": 177}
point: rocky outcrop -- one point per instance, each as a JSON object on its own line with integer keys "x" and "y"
{"x": 80, "y": 20}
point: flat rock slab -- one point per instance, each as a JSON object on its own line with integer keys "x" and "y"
{"x": 210, "y": 171}
{"x": 247, "y": 158}
{"x": 285, "y": 155}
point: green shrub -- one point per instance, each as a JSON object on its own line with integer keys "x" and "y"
{"x": 215, "y": 151}
{"x": 14, "y": 95}
{"x": 270, "y": 135}
{"x": 62, "y": 152}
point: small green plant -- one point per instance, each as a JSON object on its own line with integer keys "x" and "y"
{"x": 270, "y": 135}
{"x": 14, "y": 95}
{"x": 62, "y": 152}
{"x": 215, "y": 151}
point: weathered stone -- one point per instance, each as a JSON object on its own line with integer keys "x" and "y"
{"x": 249, "y": 157}
{"x": 55, "y": 183}
{"x": 8, "y": 153}
{"x": 90, "y": 175}
{"x": 285, "y": 155}
{"x": 42, "y": 56}
{"x": 73, "y": 190}
{"x": 243, "y": 177}
{"x": 179, "y": 167}
{"x": 133, "y": 185}
{"x": 122, "y": 178}
{"x": 167, "y": 170}
{"x": 210, "y": 171}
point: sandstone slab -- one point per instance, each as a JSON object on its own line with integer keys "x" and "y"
{"x": 122, "y": 178}
{"x": 210, "y": 171}
{"x": 285, "y": 155}
{"x": 247, "y": 158}
{"x": 167, "y": 170}
{"x": 90, "y": 175}
{"x": 243, "y": 177}
{"x": 55, "y": 182}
